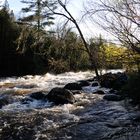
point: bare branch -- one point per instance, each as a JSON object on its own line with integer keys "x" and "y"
{"x": 122, "y": 19}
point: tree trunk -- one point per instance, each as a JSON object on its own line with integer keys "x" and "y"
{"x": 72, "y": 19}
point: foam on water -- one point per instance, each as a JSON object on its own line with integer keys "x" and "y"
{"x": 48, "y": 80}
{"x": 89, "y": 117}
{"x": 45, "y": 82}
{"x": 28, "y": 84}
{"x": 18, "y": 106}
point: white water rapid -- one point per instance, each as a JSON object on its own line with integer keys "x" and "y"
{"x": 22, "y": 86}
{"x": 89, "y": 118}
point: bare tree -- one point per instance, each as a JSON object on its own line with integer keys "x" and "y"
{"x": 67, "y": 14}
{"x": 121, "y": 18}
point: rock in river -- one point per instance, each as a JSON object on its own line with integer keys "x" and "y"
{"x": 73, "y": 86}
{"x": 84, "y": 83}
{"x": 115, "y": 81}
{"x": 3, "y": 101}
{"x": 112, "y": 97}
{"x": 99, "y": 92}
{"x": 60, "y": 96}
{"x": 95, "y": 84}
{"x": 37, "y": 95}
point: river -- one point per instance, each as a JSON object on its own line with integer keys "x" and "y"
{"x": 89, "y": 118}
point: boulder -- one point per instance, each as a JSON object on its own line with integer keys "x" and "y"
{"x": 112, "y": 91}
{"x": 95, "y": 84}
{"x": 99, "y": 92}
{"x": 115, "y": 81}
{"x": 134, "y": 102}
{"x": 107, "y": 80}
{"x": 26, "y": 100}
{"x": 60, "y": 96}
{"x": 3, "y": 101}
{"x": 37, "y": 95}
{"x": 136, "y": 118}
{"x": 84, "y": 83}
{"x": 112, "y": 97}
{"x": 120, "y": 80}
{"x": 73, "y": 86}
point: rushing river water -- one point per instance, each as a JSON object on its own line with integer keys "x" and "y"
{"x": 89, "y": 118}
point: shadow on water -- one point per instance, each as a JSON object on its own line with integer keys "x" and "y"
{"x": 89, "y": 118}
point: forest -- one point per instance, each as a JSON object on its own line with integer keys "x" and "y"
{"x": 27, "y": 48}
{"x": 58, "y": 83}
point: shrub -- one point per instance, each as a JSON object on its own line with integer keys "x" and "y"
{"x": 58, "y": 66}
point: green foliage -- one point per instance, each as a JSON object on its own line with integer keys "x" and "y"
{"x": 114, "y": 56}
{"x": 26, "y": 50}
{"x": 58, "y": 66}
{"x": 107, "y": 56}
{"x": 38, "y": 12}
{"x": 69, "y": 49}
{"x": 31, "y": 39}
{"x": 97, "y": 46}
{"x": 9, "y": 32}
{"x": 132, "y": 60}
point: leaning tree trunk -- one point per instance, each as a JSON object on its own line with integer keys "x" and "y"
{"x": 72, "y": 19}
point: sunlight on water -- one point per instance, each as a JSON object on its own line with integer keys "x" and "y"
{"x": 89, "y": 116}
{"x": 27, "y": 84}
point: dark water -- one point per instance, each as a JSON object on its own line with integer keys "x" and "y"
{"x": 90, "y": 118}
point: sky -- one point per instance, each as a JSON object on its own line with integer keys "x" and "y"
{"x": 76, "y": 7}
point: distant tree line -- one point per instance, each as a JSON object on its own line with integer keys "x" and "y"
{"x": 27, "y": 48}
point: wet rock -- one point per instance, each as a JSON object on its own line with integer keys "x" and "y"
{"x": 26, "y": 100}
{"x": 134, "y": 103}
{"x": 37, "y": 95}
{"x": 95, "y": 84}
{"x": 136, "y": 118}
{"x": 112, "y": 91}
{"x": 84, "y": 83}
{"x": 60, "y": 96}
{"x": 73, "y": 86}
{"x": 112, "y": 125}
{"x": 3, "y": 101}
{"x": 107, "y": 80}
{"x": 112, "y": 97}
{"x": 99, "y": 92}
{"x": 122, "y": 77}
{"x": 119, "y": 123}
{"x": 6, "y": 99}
{"x": 115, "y": 81}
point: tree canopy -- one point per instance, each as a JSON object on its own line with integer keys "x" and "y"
{"x": 120, "y": 18}
{"x": 38, "y": 12}
{"x": 26, "y": 47}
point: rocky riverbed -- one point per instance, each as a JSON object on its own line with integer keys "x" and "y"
{"x": 89, "y": 117}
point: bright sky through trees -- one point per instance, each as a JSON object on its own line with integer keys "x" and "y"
{"x": 76, "y": 8}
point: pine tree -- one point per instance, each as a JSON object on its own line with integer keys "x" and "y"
{"x": 38, "y": 13}
{"x": 4, "y": 5}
